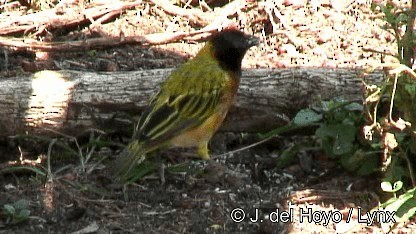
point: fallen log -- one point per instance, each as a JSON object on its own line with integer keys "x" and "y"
{"x": 72, "y": 101}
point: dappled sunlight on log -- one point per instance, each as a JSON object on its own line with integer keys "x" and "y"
{"x": 48, "y": 102}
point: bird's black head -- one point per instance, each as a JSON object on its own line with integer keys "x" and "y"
{"x": 230, "y": 47}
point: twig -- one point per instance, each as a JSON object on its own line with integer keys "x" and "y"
{"x": 393, "y": 94}
{"x": 33, "y": 163}
{"x": 98, "y": 15}
{"x": 377, "y": 51}
{"x": 49, "y": 19}
{"x": 243, "y": 148}
{"x": 195, "y": 16}
{"x": 272, "y": 11}
{"x": 203, "y": 4}
{"x": 98, "y": 43}
{"x": 49, "y": 175}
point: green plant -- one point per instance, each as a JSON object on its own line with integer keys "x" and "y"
{"x": 394, "y": 127}
{"x": 338, "y": 124}
{"x": 403, "y": 205}
{"x": 16, "y": 212}
{"x": 381, "y": 134}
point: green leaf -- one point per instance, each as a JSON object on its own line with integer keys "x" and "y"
{"x": 395, "y": 203}
{"x": 354, "y": 107}
{"x": 397, "y": 185}
{"x": 336, "y": 131}
{"x": 386, "y": 186}
{"x": 287, "y": 156}
{"x": 401, "y": 18}
{"x": 396, "y": 171}
{"x": 341, "y": 135}
{"x": 9, "y": 209}
{"x": 24, "y": 214}
{"x": 348, "y": 121}
{"x": 411, "y": 89}
{"x": 368, "y": 166}
{"x": 360, "y": 162}
{"x": 389, "y": 16}
{"x": 306, "y": 117}
{"x": 143, "y": 169}
{"x": 21, "y": 204}
{"x": 404, "y": 206}
{"x": 342, "y": 146}
{"x": 327, "y": 145}
{"x": 23, "y": 168}
{"x": 407, "y": 210}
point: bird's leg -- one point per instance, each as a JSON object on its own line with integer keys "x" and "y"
{"x": 162, "y": 174}
{"x": 161, "y": 169}
{"x": 203, "y": 151}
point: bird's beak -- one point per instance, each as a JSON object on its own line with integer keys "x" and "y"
{"x": 252, "y": 41}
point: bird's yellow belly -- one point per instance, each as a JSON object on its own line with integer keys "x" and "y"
{"x": 201, "y": 134}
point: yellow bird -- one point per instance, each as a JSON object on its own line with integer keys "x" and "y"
{"x": 192, "y": 103}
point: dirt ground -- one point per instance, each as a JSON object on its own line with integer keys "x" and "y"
{"x": 199, "y": 196}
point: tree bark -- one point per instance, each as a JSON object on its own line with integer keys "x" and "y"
{"x": 72, "y": 101}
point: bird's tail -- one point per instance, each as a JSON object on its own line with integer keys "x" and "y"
{"x": 131, "y": 156}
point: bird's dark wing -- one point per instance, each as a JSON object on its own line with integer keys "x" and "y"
{"x": 176, "y": 109}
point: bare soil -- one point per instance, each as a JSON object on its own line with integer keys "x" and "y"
{"x": 197, "y": 196}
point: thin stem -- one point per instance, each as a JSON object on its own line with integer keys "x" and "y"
{"x": 243, "y": 148}
{"x": 393, "y": 93}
